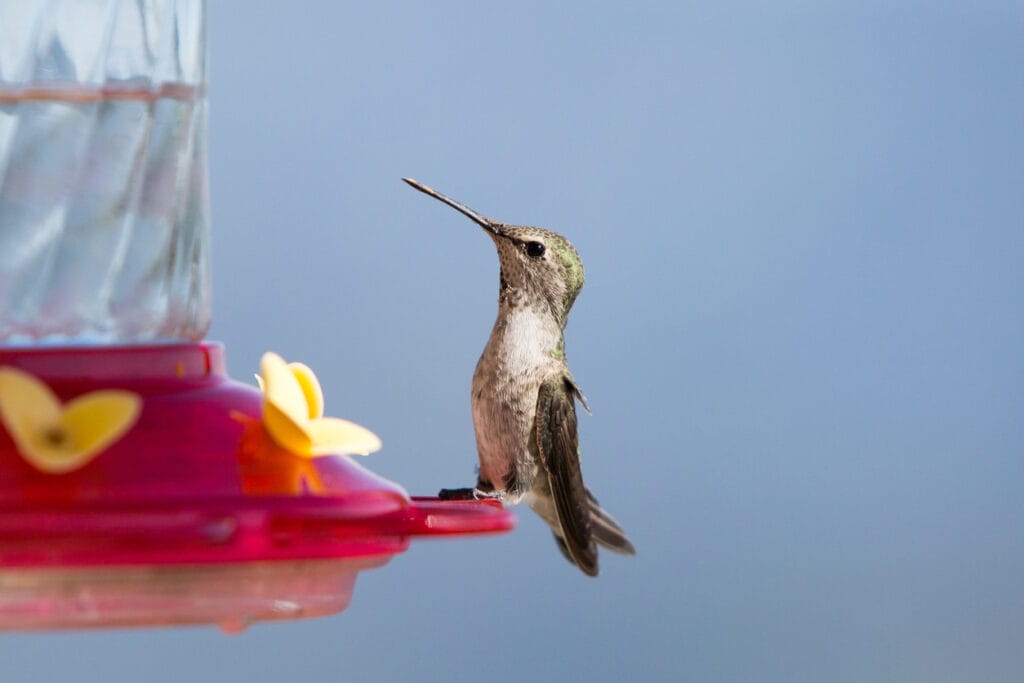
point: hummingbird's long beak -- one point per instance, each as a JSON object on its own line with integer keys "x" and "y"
{"x": 484, "y": 222}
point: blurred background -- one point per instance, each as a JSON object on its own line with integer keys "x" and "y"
{"x": 801, "y": 333}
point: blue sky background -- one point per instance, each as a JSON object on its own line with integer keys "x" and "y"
{"x": 801, "y": 334}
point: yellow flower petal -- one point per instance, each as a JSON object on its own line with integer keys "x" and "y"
{"x": 27, "y": 405}
{"x": 331, "y": 435}
{"x": 282, "y": 389}
{"x": 286, "y": 432}
{"x": 55, "y": 439}
{"x": 98, "y": 419}
{"x": 310, "y": 386}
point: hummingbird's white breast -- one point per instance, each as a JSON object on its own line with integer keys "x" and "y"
{"x": 522, "y": 351}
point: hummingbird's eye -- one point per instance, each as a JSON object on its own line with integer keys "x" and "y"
{"x": 534, "y": 249}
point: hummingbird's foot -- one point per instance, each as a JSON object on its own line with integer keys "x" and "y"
{"x": 470, "y": 494}
{"x": 456, "y": 494}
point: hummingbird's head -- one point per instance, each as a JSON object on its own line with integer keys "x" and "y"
{"x": 538, "y": 267}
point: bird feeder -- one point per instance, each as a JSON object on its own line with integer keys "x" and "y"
{"x": 139, "y": 484}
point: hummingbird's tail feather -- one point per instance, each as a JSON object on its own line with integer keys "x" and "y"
{"x": 607, "y": 531}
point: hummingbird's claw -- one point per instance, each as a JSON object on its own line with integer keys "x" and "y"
{"x": 470, "y": 494}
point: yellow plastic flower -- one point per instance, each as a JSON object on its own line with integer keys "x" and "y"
{"x": 293, "y": 408}
{"x": 55, "y": 438}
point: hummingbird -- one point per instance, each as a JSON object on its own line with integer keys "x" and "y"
{"x": 524, "y": 397}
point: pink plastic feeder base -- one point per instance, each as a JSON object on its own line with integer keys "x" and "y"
{"x": 194, "y": 498}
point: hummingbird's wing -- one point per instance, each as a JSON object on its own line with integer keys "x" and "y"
{"x": 558, "y": 447}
